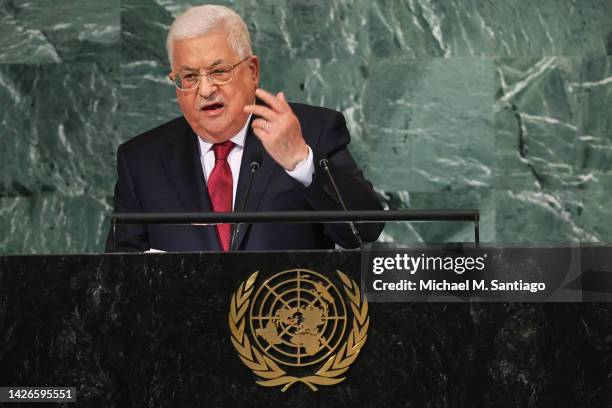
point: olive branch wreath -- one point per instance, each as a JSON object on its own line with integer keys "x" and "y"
{"x": 264, "y": 367}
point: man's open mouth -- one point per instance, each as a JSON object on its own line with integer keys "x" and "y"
{"x": 212, "y": 107}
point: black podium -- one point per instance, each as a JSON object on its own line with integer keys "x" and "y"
{"x": 153, "y": 330}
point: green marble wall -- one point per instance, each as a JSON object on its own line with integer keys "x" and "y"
{"x": 504, "y": 106}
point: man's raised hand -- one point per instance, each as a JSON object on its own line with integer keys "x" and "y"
{"x": 278, "y": 129}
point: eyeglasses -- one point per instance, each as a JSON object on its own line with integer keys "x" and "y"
{"x": 218, "y": 75}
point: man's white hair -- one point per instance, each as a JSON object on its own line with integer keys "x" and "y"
{"x": 202, "y": 20}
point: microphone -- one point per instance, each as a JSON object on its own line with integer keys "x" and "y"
{"x": 254, "y": 165}
{"x": 325, "y": 165}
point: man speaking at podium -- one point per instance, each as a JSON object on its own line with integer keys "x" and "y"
{"x": 202, "y": 161}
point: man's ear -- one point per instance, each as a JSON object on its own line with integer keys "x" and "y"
{"x": 254, "y": 67}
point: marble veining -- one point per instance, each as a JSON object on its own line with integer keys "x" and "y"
{"x": 463, "y": 103}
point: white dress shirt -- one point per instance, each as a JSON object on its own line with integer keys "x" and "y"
{"x": 302, "y": 173}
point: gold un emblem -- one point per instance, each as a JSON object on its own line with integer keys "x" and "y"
{"x": 297, "y": 320}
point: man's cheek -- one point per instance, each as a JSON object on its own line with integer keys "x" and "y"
{"x": 186, "y": 105}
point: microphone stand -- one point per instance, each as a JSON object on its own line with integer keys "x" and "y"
{"x": 255, "y": 164}
{"x": 325, "y": 165}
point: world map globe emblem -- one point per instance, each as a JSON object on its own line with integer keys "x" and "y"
{"x": 298, "y": 317}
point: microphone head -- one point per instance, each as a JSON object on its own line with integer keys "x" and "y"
{"x": 323, "y": 163}
{"x": 255, "y": 161}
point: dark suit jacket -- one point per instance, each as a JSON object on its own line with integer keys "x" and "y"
{"x": 160, "y": 171}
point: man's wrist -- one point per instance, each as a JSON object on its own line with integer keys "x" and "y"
{"x": 304, "y": 169}
{"x": 302, "y": 159}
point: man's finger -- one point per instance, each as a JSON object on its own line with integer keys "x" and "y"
{"x": 281, "y": 97}
{"x": 261, "y": 111}
{"x": 261, "y": 124}
{"x": 261, "y": 134}
{"x": 270, "y": 100}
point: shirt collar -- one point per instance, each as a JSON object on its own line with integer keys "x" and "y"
{"x": 238, "y": 139}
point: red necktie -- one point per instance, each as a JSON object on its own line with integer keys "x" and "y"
{"x": 220, "y": 189}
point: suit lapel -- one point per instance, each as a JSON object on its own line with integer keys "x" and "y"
{"x": 252, "y": 148}
{"x": 182, "y": 164}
